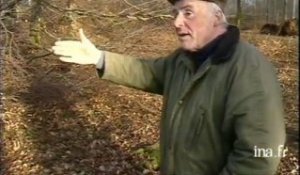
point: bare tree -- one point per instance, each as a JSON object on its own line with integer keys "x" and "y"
{"x": 275, "y": 12}
{"x": 238, "y": 12}
{"x": 8, "y": 5}
{"x": 267, "y": 11}
{"x": 285, "y": 9}
{"x": 294, "y": 8}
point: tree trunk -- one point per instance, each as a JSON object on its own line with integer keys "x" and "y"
{"x": 271, "y": 11}
{"x": 267, "y": 11}
{"x": 294, "y": 8}
{"x": 255, "y": 14}
{"x": 275, "y": 12}
{"x": 238, "y": 13}
{"x": 285, "y": 9}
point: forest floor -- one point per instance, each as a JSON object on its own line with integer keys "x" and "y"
{"x": 60, "y": 118}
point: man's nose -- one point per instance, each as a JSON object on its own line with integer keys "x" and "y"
{"x": 178, "y": 22}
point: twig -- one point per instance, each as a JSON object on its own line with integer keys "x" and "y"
{"x": 131, "y": 5}
{"x": 142, "y": 17}
{"x": 48, "y": 4}
{"x": 38, "y": 56}
{"x": 142, "y": 4}
{"x": 50, "y": 34}
{"x": 7, "y": 32}
{"x": 46, "y": 74}
{"x": 9, "y": 5}
{"x": 148, "y": 109}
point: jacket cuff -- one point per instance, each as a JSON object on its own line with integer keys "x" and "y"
{"x": 100, "y": 71}
{"x": 100, "y": 66}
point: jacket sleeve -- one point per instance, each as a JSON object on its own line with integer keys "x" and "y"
{"x": 144, "y": 74}
{"x": 254, "y": 107}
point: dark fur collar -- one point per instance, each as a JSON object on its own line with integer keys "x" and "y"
{"x": 219, "y": 50}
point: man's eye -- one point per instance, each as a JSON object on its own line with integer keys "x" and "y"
{"x": 188, "y": 14}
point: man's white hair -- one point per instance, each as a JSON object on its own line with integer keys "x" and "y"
{"x": 216, "y": 9}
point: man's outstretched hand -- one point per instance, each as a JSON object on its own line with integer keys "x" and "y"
{"x": 80, "y": 52}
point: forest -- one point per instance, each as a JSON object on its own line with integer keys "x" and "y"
{"x": 58, "y": 118}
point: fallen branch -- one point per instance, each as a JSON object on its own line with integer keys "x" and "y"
{"x": 148, "y": 109}
{"x": 38, "y": 56}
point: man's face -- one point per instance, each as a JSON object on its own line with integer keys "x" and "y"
{"x": 194, "y": 23}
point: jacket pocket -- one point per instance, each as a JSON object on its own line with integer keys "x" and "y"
{"x": 195, "y": 127}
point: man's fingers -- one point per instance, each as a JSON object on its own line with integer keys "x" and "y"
{"x": 83, "y": 38}
{"x": 66, "y": 59}
{"x": 68, "y": 43}
{"x": 66, "y": 47}
{"x": 58, "y": 50}
{"x": 63, "y": 52}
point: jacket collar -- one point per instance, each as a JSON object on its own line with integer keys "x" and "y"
{"x": 226, "y": 47}
{"x": 219, "y": 50}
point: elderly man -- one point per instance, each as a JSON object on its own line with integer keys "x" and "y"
{"x": 222, "y": 101}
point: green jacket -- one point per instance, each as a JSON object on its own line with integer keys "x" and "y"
{"x": 213, "y": 118}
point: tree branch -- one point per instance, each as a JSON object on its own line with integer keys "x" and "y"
{"x": 9, "y": 5}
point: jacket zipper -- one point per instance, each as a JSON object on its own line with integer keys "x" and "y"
{"x": 174, "y": 121}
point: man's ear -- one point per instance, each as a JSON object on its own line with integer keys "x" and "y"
{"x": 219, "y": 16}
